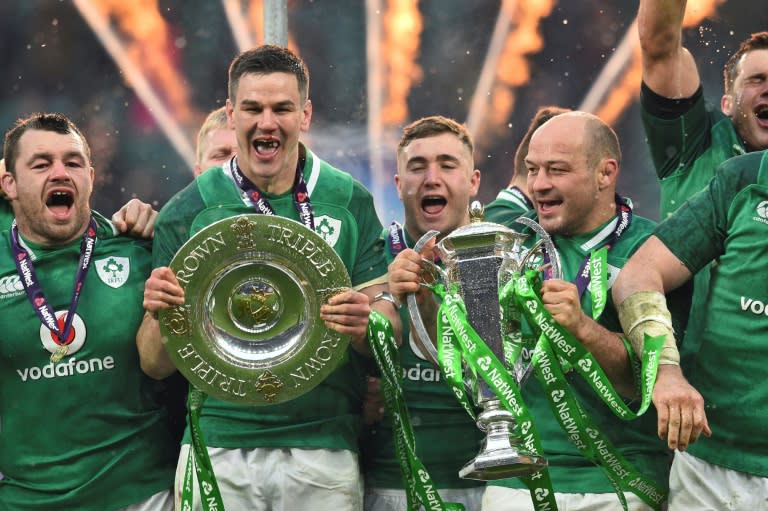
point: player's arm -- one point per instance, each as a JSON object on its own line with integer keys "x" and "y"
{"x": 639, "y": 296}
{"x": 348, "y": 312}
{"x": 161, "y": 290}
{"x": 668, "y": 67}
{"x": 561, "y": 299}
{"x": 136, "y": 218}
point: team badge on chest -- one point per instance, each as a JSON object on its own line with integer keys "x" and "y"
{"x": 329, "y": 228}
{"x": 64, "y": 347}
{"x": 113, "y": 271}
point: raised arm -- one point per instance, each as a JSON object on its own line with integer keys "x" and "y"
{"x": 668, "y": 67}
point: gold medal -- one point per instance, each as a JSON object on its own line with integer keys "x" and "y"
{"x": 60, "y": 353}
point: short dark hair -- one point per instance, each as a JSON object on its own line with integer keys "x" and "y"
{"x": 541, "y": 116}
{"x": 56, "y": 122}
{"x": 268, "y": 59}
{"x": 431, "y": 127}
{"x": 756, "y": 41}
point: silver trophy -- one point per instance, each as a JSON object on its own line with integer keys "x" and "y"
{"x": 480, "y": 258}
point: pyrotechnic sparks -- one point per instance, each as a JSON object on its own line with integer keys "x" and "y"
{"x": 524, "y": 40}
{"x": 402, "y": 30}
{"x": 136, "y": 76}
{"x": 628, "y": 56}
{"x": 150, "y": 46}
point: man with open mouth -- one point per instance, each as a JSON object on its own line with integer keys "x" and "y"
{"x": 82, "y": 425}
{"x": 299, "y": 454}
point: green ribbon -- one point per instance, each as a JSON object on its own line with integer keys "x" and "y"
{"x": 454, "y": 328}
{"x": 598, "y": 281}
{"x": 210, "y": 496}
{"x": 420, "y": 490}
{"x": 558, "y": 349}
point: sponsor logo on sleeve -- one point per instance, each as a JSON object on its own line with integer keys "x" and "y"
{"x": 762, "y": 212}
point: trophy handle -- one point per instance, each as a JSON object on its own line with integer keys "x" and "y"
{"x": 549, "y": 245}
{"x": 554, "y": 259}
{"x": 422, "y": 338}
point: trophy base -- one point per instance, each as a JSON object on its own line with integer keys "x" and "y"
{"x": 502, "y": 464}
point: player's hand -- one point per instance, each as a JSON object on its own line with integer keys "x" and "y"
{"x": 162, "y": 290}
{"x": 680, "y": 408}
{"x": 136, "y": 218}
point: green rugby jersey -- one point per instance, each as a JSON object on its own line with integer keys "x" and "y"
{"x": 446, "y": 436}
{"x": 328, "y": 416}
{"x": 728, "y": 222}
{"x": 509, "y": 204}
{"x": 6, "y": 214}
{"x": 87, "y": 433}
{"x": 637, "y": 441}
{"x": 686, "y": 145}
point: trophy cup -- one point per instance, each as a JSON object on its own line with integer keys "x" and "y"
{"x": 250, "y": 331}
{"x": 480, "y": 257}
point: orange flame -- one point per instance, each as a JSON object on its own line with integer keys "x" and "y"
{"x": 524, "y": 40}
{"x": 256, "y": 17}
{"x": 402, "y": 28}
{"x": 151, "y": 48}
{"x": 627, "y": 90}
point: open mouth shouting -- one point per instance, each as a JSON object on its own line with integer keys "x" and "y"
{"x": 433, "y": 204}
{"x": 59, "y": 202}
{"x": 762, "y": 115}
{"x": 266, "y": 148}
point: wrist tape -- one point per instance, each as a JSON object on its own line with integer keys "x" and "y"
{"x": 645, "y": 313}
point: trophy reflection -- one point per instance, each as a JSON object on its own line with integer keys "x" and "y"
{"x": 480, "y": 258}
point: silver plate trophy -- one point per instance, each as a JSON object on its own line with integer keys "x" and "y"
{"x": 480, "y": 258}
{"x": 250, "y": 331}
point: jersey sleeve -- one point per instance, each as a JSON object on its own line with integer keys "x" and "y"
{"x": 172, "y": 228}
{"x": 696, "y": 233}
{"x": 677, "y": 130}
{"x": 370, "y": 263}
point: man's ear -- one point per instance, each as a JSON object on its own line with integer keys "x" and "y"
{"x": 726, "y": 104}
{"x": 8, "y": 185}
{"x": 229, "y": 109}
{"x": 607, "y": 173}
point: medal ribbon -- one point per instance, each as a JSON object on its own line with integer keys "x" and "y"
{"x": 34, "y": 291}
{"x": 397, "y": 243}
{"x": 396, "y": 238}
{"x": 260, "y": 202}
{"x": 420, "y": 490}
{"x": 591, "y": 268}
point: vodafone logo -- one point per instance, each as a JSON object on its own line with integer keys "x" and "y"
{"x": 75, "y": 339}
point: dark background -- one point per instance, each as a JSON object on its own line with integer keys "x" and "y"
{"x": 51, "y": 61}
